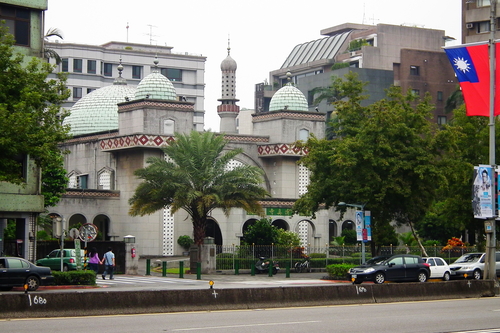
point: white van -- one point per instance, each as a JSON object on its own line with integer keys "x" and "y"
{"x": 471, "y": 265}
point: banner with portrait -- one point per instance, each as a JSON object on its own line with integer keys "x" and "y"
{"x": 482, "y": 192}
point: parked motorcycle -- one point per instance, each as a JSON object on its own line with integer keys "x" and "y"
{"x": 262, "y": 265}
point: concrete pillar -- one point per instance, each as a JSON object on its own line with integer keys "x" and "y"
{"x": 208, "y": 257}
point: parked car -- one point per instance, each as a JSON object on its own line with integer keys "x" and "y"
{"x": 471, "y": 265}
{"x": 53, "y": 260}
{"x": 17, "y": 272}
{"x": 399, "y": 267}
{"x": 439, "y": 268}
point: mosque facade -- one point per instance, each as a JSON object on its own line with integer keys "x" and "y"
{"x": 123, "y": 126}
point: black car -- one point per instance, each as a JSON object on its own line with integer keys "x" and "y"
{"x": 17, "y": 272}
{"x": 399, "y": 267}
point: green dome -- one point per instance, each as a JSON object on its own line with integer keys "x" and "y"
{"x": 288, "y": 98}
{"x": 156, "y": 86}
{"x": 98, "y": 111}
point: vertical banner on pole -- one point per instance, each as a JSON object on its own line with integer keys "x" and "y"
{"x": 368, "y": 225}
{"x": 359, "y": 225}
{"x": 482, "y": 192}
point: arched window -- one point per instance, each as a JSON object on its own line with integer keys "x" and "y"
{"x": 168, "y": 127}
{"x": 303, "y": 134}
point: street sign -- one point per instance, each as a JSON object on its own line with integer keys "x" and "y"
{"x": 88, "y": 232}
{"x": 74, "y": 233}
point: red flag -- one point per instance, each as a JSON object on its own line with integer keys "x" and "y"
{"x": 472, "y": 67}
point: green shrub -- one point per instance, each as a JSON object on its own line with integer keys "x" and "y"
{"x": 74, "y": 278}
{"x": 338, "y": 271}
{"x": 317, "y": 255}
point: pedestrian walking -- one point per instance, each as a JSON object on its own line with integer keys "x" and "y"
{"x": 109, "y": 263}
{"x": 94, "y": 260}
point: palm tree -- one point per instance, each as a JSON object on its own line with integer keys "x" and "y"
{"x": 198, "y": 180}
{"x": 50, "y": 53}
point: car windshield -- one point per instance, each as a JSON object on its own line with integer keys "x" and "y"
{"x": 469, "y": 257}
{"x": 376, "y": 260}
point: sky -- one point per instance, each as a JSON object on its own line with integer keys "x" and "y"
{"x": 261, "y": 32}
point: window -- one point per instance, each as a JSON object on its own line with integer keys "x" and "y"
{"x": 136, "y": 72}
{"x": 108, "y": 69}
{"x": 64, "y": 65}
{"x": 303, "y": 135}
{"x": 439, "y": 95}
{"x": 77, "y": 65}
{"x": 89, "y": 90}
{"x": 483, "y": 3}
{"x": 77, "y": 93}
{"x": 168, "y": 127}
{"x": 414, "y": 70}
{"x": 172, "y": 74}
{"x": 441, "y": 120}
{"x": 83, "y": 181}
{"x": 483, "y": 27}
{"x": 415, "y": 92}
{"x": 18, "y": 22}
{"x": 91, "y": 66}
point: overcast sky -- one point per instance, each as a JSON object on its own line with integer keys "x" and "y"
{"x": 262, "y": 32}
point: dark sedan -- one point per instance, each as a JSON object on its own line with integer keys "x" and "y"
{"x": 399, "y": 267}
{"x": 17, "y": 272}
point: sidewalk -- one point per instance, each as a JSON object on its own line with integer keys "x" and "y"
{"x": 226, "y": 275}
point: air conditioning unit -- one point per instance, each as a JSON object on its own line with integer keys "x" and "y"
{"x": 469, "y": 25}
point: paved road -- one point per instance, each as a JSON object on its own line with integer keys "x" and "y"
{"x": 457, "y": 316}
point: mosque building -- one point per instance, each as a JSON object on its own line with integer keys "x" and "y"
{"x": 117, "y": 128}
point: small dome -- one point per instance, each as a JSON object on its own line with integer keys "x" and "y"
{"x": 156, "y": 86}
{"x": 288, "y": 98}
{"x": 98, "y": 111}
{"x": 228, "y": 64}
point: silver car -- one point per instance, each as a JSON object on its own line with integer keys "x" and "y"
{"x": 471, "y": 265}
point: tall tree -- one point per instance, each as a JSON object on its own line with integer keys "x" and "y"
{"x": 386, "y": 156}
{"x": 198, "y": 180}
{"x": 30, "y": 114}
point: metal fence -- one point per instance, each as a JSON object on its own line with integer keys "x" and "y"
{"x": 244, "y": 256}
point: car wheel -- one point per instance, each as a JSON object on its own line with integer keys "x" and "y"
{"x": 476, "y": 275}
{"x": 446, "y": 276}
{"x": 379, "y": 278}
{"x": 33, "y": 283}
{"x": 422, "y": 277}
{"x": 65, "y": 268}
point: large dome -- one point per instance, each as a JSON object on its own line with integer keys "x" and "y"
{"x": 228, "y": 64}
{"x": 98, "y": 111}
{"x": 288, "y": 98}
{"x": 156, "y": 86}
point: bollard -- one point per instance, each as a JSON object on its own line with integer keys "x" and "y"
{"x": 148, "y": 266}
{"x": 164, "y": 268}
{"x": 237, "y": 267}
{"x": 181, "y": 269}
{"x": 198, "y": 271}
{"x": 252, "y": 269}
{"x": 270, "y": 270}
{"x": 287, "y": 270}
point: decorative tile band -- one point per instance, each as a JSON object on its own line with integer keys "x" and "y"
{"x": 281, "y": 149}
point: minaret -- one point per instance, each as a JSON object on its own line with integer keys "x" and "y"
{"x": 228, "y": 110}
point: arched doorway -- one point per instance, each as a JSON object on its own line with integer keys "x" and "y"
{"x": 76, "y": 221}
{"x": 305, "y": 229}
{"x": 213, "y": 230}
{"x": 281, "y": 224}
{"x": 348, "y": 225}
{"x": 332, "y": 231}
{"x": 102, "y": 223}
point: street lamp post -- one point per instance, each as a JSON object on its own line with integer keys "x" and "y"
{"x": 60, "y": 219}
{"x": 362, "y": 209}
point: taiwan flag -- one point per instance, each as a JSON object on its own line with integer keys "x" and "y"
{"x": 472, "y": 67}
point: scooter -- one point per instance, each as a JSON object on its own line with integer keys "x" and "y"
{"x": 262, "y": 265}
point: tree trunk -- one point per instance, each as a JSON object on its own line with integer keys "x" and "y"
{"x": 422, "y": 248}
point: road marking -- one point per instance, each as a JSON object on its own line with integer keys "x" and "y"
{"x": 249, "y": 325}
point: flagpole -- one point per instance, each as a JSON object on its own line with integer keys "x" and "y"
{"x": 490, "y": 273}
